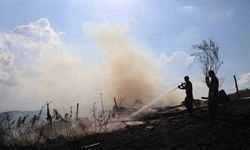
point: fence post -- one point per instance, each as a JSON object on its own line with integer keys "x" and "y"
{"x": 236, "y": 86}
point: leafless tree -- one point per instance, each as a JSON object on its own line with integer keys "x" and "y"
{"x": 207, "y": 55}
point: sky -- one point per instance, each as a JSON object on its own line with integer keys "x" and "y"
{"x": 65, "y": 50}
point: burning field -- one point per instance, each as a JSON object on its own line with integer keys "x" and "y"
{"x": 125, "y": 69}
{"x": 156, "y": 128}
{"x": 124, "y": 74}
{"x": 146, "y": 113}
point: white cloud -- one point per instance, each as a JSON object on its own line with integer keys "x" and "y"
{"x": 177, "y": 56}
{"x": 216, "y": 15}
{"x": 21, "y": 49}
{"x": 244, "y": 81}
{"x": 188, "y": 9}
{"x": 35, "y": 67}
{"x": 38, "y": 31}
{"x": 6, "y": 61}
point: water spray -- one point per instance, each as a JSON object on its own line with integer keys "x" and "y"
{"x": 151, "y": 103}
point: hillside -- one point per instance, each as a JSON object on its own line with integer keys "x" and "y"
{"x": 170, "y": 128}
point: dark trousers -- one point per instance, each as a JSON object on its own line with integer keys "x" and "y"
{"x": 189, "y": 105}
{"x": 212, "y": 106}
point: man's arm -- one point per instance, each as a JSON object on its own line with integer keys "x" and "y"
{"x": 208, "y": 82}
{"x": 182, "y": 87}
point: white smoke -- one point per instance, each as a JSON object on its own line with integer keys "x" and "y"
{"x": 35, "y": 61}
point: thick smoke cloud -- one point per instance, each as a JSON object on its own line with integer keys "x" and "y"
{"x": 38, "y": 68}
{"x": 131, "y": 71}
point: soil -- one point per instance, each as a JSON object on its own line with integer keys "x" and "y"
{"x": 172, "y": 128}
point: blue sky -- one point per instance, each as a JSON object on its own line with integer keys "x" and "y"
{"x": 157, "y": 24}
{"x": 166, "y": 27}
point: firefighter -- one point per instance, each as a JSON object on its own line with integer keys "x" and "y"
{"x": 213, "y": 86}
{"x": 188, "y": 102}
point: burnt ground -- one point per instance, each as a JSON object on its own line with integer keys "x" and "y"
{"x": 173, "y": 129}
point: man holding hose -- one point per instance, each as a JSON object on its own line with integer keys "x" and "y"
{"x": 188, "y": 102}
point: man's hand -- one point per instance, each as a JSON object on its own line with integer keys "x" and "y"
{"x": 181, "y": 85}
{"x": 207, "y": 78}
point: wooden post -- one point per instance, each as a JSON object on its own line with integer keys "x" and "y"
{"x": 103, "y": 115}
{"x": 102, "y": 107}
{"x": 236, "y": 86}
{"x": 115, "y": 102}
{"x": 94, "y": 110}
{"x": 77, "y": 110}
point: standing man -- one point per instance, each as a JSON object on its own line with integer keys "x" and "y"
{"x": 188, "y": 102}
{"x": 213, "y": 86}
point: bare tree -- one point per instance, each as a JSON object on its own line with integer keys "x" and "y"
{"x": 207, "y": 56}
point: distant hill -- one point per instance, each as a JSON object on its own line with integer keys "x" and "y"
{"x": 14, "y": 115}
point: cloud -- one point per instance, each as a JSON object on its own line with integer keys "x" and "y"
{"x": 6, "y": 63}
{"x": 244, "y": 81}
{"x": 38, "y": 31}
{"x": 31, "y": 39}
{"x": 188, "y": 9}
{"x": 38, "y": 67}
{"x": 217, "y": 15}
{"x": 179, "y": 56}
{"x": 177, "y": 59}
{"x": 21, "y": 48}
{"x": 35, "y": 67}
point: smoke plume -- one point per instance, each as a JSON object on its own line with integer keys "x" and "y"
{"x": 131, "y": 71}
{"x": 36, "y": 67}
